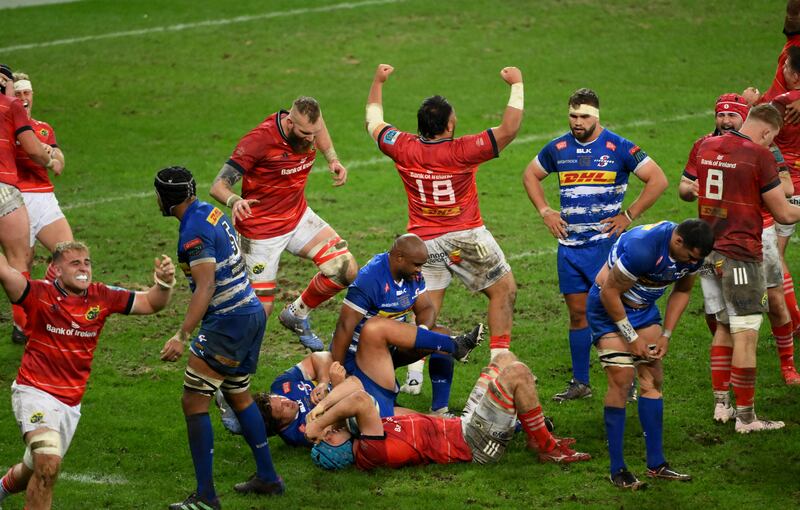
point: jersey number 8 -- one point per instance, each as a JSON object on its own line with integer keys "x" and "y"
{"x": 714, "y": 184}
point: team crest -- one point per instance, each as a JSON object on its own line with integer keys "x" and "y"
{"x": 455, "y": 257}
{"x": 44, "y": 132}
{"x": 92, "y": 313}
{"x": 37, "y": 417}
{"x": 259, "y": 268}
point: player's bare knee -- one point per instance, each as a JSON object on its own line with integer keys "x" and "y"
{"x": 46, "y": 467}
{"x": 503, "y": 359}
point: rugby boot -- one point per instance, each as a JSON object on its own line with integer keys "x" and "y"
{"x": 723, "y": 412}
{"x": 757, "y": 425}
{"x": 195, "y": 502}
{"x": 255, "y": 485}
{"x": 624, "y": 479}
{"x": 302, "y": 328}
{"x": 467, "y": 342}
{"x": 575, "y": 390}
{"x": 533, "y": 446}
{"x": 563, "y": 454}
{"x": 413, "y": 385}
{"x": 17, "y": 336}
{"x": 790, "y": 376}
{"x": 665, "y": 472}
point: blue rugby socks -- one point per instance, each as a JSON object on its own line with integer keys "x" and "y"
{"x": 651, "y": 416}
{"x": 440, "y": 369}
{"x": 580, "y": 347}
{"x": 431, "y": 341}
{"x": 201, "y": 445}
{"x": 615, "y": 433}
{"x": 255, "y": 434}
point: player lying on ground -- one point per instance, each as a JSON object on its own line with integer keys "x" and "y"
{"x": 347, "y": 427}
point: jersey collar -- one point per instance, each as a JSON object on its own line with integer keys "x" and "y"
{"x": 278, "y": 116}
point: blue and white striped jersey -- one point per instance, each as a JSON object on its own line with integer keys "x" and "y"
{"x": 592, "y": 178}
{"x": 206, "y": 235}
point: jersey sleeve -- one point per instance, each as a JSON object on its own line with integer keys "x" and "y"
{"x": 198, "y": 244}
{"x": 767, "y": 172}
{"x": 547, "y": 158}
{"x": 282, "y": 385}
{"x": 358, "y": 296}
{"x": 632, "y": 156}
{"x": 19, "y": 117}
{"x": 636, "y": 259}
{"x": 471, "y": 150}
{"x": 388, "y": 139}
{"x": 117, "y": 299}
{"x": 249, "y": 151}
{"x": 690, "y": 170}
{"x": 51, "y": 136}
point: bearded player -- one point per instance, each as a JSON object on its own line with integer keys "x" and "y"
{"x": 271, "y": 215}
{"x": 438, "y": 172}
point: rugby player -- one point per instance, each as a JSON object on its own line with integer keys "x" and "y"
{"x": 626, "y": 329}
{"x": 438, "y": 172}
{"x": 735, "y": 172}
{"x": 272, "y": 215}
{"x": 347, "y": 427}
{"x": 15, "y": 127}
{"x": 391, "y": 285}
{"x": 47, "y": 222}
{"x": 731, "y": 110}
{"x": 225, "y": 351}
{"x": 65, "y": 318}
{"x": 593, "y": 166}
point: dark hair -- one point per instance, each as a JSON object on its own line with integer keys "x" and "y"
{"x": 433, "y": 116}
{"x": 5, "y": 71}
{"x": 307, "y": 106}
{"x": 584, "y": 96}
{"x": 264, "y": 405}
{"x": 767, "y": 113}
{"x": 793, "y": 55}
{"x": 696, "y": 233}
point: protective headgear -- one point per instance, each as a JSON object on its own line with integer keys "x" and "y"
{"x": 732, "y": 103}
{"x": 174, "y": 185}
{"x": 333, "y": 457}
{"x": 5, "y": 71}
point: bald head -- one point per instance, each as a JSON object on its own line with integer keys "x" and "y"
{"x": 407, "y": 256}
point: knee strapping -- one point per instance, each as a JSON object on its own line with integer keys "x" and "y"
{"x": 197, "y": 383}
{"x": 236, "y": 384}
{"x": 265, "y": 291}
{"x": 612, "y": 358}
{"x": 740, "y": 323}
{"x": 46, "y": 443}
{"x": 333, "y": 260}
{"x": 500, "y": 397}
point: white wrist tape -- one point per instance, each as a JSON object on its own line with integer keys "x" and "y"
{"x": 330, "y": 155}
{"x": 374, "y": 117}
{"x": 422, "y": 326}
{"x": 627, "y": 330}
{"x": 517, "y": 97}
{"x": 161, "y": 283}
{"x": 667, "y": 333}
{"x": 232, "y": 200}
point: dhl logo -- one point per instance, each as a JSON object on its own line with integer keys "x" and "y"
{"x": 586, "y": 177}
{"x": 214, "y": 216}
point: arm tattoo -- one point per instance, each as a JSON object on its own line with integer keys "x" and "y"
{"x": 228, "y": 174}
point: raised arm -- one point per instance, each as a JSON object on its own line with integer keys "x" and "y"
{"x": 12, "y": 280}
{"x": 156, "y": 297}
{"x": 505, "y": 133}
{"x": 532, "y": 178}
{"x": 374, "y": 113}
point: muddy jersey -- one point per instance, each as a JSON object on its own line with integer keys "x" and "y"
{"x": 439, "y": 178}
{"x": 62, "y": 335}
{"x": 273, "y": 174}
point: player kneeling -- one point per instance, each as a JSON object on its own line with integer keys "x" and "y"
{"x": 346, "y": 426}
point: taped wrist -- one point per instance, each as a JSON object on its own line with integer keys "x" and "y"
{"x": 374, "y": 116}
{"x": 517, "y": 97}
{"x": 627, "y": 330}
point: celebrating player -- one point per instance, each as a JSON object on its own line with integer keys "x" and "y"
{"x": 47, "y": 222}
{"x": 65, "y": 319}
{"x": 347, "y": 427}
{"x": 626, "y": 328}
{"x": 735, "y": 172}
{"x": 731, "y": 110}
{"x": 15, "y": 127}
{"x": 225, "y": 351}
{"x": 593, "y": 165}
{"x": 438, "y": 172}
{"x": 273, "y": 161}
{"x": 391, "y": 285}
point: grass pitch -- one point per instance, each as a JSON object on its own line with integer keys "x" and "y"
{"x": 131, "y": 87}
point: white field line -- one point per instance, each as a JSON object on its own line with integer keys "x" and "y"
{"x": 93, "y": 479}
{"x": 381, "y": 159}
{"x": 198, "y": 24}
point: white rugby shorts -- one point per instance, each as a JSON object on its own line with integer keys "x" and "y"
{"x": 773, "y": 269}
{"x": 473, "y": 255}
{"x": 43, "y": 209}
{"x": 10, "y": 199}
{"x": 35, "y": 409}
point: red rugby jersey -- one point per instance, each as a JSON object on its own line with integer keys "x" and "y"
{"x": 13, "y": 121}
{"x": 33, "y": 177}
{"x": 413, "y": 439}
{"x": 733, "y": 172}
{"x": 778, "y": 86}
{"x": 439, "y": 177}
{"x": 275, "y": 176}
{"x": 62, "y": 335}
{"x": 788, "y": 140}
